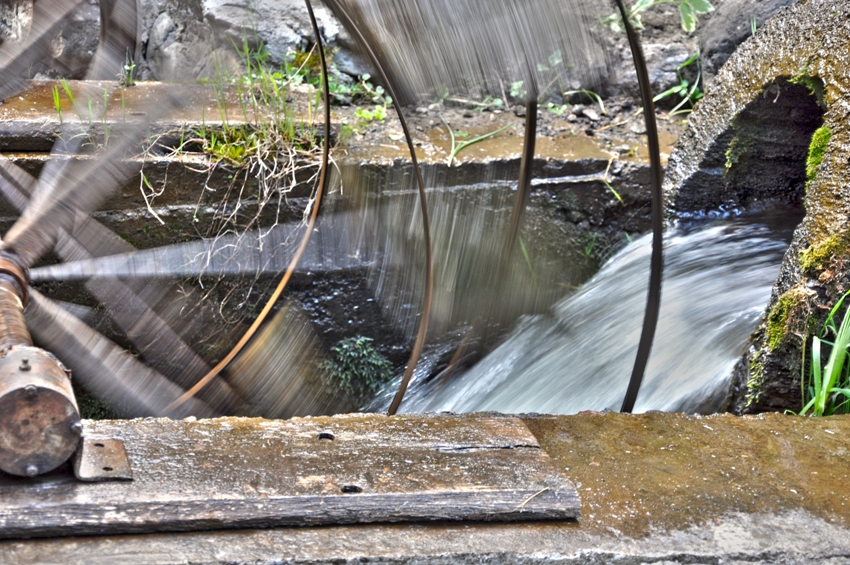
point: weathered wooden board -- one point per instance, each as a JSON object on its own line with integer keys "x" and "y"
{"x": 239, "y": 473}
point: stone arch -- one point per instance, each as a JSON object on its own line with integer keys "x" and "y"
{"x": 805, "y": 46}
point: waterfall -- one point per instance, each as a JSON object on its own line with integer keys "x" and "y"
{"x": 577, "y": 357}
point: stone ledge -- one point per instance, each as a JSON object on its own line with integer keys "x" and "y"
{"x": 656, "y": 489}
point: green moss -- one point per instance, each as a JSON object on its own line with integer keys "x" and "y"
{"x": 739, "y": 146}
{"x": 820, "y": 139}
{"x": 756, "y": 378}
{"x": 814, "y": 84}
{"x": 816, "y": 257}
{"x": 780, "y": 317}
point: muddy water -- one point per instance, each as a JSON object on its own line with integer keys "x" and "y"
{"x": 579, "y": 357}
{"x": 436, "y": 144}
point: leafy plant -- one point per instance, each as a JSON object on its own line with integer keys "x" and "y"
{"x": 689, "y": 11}
{"x": 378, "y": 112}
{"x": 457, "y": 148}
{"x": 518, "y": 89}
{"x": 357, "y": 368}
{"x": 690, "y": 93}
{"x": 828, "y": 388}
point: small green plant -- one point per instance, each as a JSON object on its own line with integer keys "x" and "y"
{"x": 558, "y": 110}
{"x": 457, "y": 148}
{"x": 828, "y": 390}
{"x": 128, "y": 72}
{"x": 591, "y": 243}
{"x": 518, "y": 90}
{"x": 377, "y": 113}
{"x": 67, "y": 88}
{"x": 689, "y": 11}
{"x": 690, "y": 93}
{"x": 357, "y": 368}
{"x": 57, "y": 103}
{"x": 608, "y": 184}
{"x": 364, "y": 90}
{"x": 590, "y": 94}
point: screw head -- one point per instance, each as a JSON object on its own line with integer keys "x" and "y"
{"x": 30, "y": 391}
{"x": 77, "y": 428}
{"x": 31, "y": 470}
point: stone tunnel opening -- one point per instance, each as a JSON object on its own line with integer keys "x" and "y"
{"x": 759, "y": 162}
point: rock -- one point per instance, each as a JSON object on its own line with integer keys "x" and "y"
{"x": 729, "y": 26}
{"x": 188, "y": 39}
{"x": 591, "y": 115}
{"x": 662, "y": 61}
{"x": 73, "y": 43}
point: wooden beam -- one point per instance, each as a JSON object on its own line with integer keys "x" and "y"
{"x": 239, "y": 473}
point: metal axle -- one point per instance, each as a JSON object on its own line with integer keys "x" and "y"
{"x": 40, "y": 424}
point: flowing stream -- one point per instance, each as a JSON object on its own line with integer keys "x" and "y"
{"x": 717, "y": 281}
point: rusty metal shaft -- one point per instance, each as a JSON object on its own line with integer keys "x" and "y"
{"x": 40, "y": 424}
{"x": 13, "y": 326}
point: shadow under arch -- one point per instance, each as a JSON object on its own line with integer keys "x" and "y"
{"x": 759, "y": 160}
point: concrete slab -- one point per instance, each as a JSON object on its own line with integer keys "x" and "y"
{"x": 656, "y": 489}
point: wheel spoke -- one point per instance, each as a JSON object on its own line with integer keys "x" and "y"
{"x": 143, "y": 326}
{"x": 103, "y": 367}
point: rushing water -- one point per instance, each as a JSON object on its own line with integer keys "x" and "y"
{"x": 716, "y": 284}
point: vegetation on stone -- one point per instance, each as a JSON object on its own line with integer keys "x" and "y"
{"x": 816, "y": 257}
{"x": 820, "y": 140}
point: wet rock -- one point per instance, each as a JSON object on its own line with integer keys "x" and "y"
{"x": 730, "y": 25}
{"x": 750, "y": 143}
{"x": 72, "y": 45}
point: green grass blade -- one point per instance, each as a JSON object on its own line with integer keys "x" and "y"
{"x": 816, "y": 376}
{"x": 478, "y": 139}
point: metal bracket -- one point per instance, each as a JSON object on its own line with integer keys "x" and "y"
{"x": 102, "y": 459}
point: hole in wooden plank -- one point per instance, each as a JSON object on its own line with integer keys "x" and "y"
{"x": 108, "y": 469}
{"x": 325, "y": 435}
{"x": 351, "y": 489}
{"x": 99, "y": 445}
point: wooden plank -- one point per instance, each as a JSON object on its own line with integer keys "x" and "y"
{"x": 238, "y": 473}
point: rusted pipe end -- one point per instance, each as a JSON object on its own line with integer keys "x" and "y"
{"x": 39, "y": 421}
